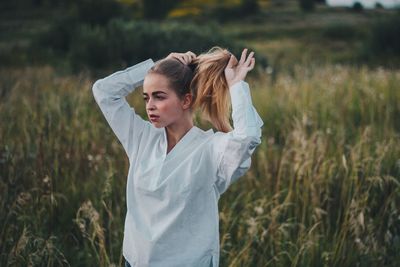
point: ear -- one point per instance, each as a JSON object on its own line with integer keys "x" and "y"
{"x": 187, "y": 101}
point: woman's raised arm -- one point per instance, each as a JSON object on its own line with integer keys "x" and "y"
{"x": 110, "y": 92}
{"x": 233, "y": 150}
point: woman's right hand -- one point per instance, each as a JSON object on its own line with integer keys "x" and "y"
{"x": 184, "y": 58}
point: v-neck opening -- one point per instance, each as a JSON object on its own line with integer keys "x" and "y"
{"x": 179, "y": 143}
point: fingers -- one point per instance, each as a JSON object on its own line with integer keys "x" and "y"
{"x": 243, "y": 57}
{"x": 231, "y": 62}
{"x": 235, "y": 61}
{"x": 191, "y": 54}
{"x": 184, "y": 58}
{"x": 187, "y": 57}
{"x": 177, "y": 56}
{"x": 253, "y": 62}
{"x": 248, "y": 59}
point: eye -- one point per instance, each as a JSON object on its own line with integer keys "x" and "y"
{"x": 159, "y": 97}
{"x": 145, "y": 99}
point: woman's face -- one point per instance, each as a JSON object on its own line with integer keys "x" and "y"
{"x": 163, "y": 106}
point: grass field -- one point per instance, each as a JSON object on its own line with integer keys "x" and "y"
{"x": 323, "y": 189}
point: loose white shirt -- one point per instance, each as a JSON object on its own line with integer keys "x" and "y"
{"x": 172, "y": 217}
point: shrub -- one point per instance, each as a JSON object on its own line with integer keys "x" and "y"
{"x": 90, "y": 48}
{"x": 249, "y": 6}
{"x": 358, "y": 7}
{"x": 122, "y": 42}
{"x": 340, "y": 31}
{"x": 59, "y": 36}
{"x": 385, "y": 37}
{"x": 307, "y": 5}
{"x": 383, "y": 43}
{"x": 127, "y": 42}
{"x": 158, "y": 9}
{"x": 97, "y": 12}
{"x": 225, "y": 13}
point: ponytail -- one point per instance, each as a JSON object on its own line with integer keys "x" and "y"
{"x": 210, "y": 88}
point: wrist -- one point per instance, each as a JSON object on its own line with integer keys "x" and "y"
{"x": 233, "y": 82}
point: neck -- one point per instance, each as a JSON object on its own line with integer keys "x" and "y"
{"x": 176, "y": 131}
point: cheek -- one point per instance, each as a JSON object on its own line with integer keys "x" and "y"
{"x": 170, "y": 108}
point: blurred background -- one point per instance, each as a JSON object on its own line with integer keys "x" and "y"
{"x": 324, "y": 186}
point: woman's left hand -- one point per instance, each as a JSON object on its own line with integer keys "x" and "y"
{"x": 236, "y": 71}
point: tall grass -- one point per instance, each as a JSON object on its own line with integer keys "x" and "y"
{"x": 323, "y": 189}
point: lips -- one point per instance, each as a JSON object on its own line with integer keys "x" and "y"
{"x": 153, "y": 117}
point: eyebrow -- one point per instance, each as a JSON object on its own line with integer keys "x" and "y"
{"x": 156, "y": 93}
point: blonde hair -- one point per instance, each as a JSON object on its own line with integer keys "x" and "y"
{"x": 205, "y": 79}
{"x": 210, "y": 88}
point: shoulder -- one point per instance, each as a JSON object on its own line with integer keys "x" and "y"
{"x": 210, "y": 137}
{"x": 212, "y": 142}
{"x": 204, "y": 139}
{"x": 204, "y": 134}
{"x": 151, "y": 134}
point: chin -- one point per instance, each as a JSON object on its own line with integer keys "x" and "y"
{"x": 157, "y": 125}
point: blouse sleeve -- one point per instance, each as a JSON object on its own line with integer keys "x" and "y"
{"x": 110, "y": 92}
{"x": 232, "y": 151}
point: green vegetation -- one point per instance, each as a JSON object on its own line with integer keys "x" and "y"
{"x": 323, "y": 189}
{"x": 324, "y": 186}
{"x": 307, "y": 5}
{"x": 122, "y": 42}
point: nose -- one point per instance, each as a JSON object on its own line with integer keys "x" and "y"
{"x": 150, "y": 105}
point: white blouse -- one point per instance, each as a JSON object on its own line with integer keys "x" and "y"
{"x": 172, "y": 199}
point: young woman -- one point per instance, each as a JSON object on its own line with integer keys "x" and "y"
{"x": 178, "y": 171}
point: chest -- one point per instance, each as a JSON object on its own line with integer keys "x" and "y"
{"x": 189, "y": 169}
